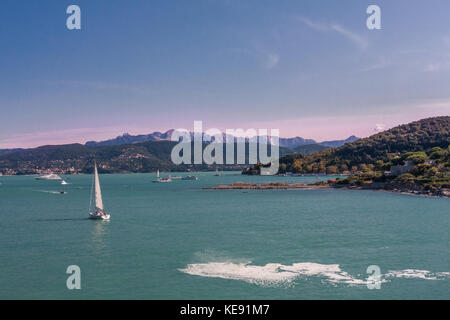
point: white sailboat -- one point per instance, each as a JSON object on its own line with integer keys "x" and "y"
{"x": 99, "y": 211}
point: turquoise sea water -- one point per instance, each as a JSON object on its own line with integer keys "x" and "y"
{"x": 178, "y": 241}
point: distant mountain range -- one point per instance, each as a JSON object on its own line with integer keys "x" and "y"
{"x": 338, "y": 143}
{"x": 77, "y": 158}
{"x": 158, "y": 136}
{"x": 295, "y": 142}
{"x": 127, "y": 138}
{"x": 126, "y": 153}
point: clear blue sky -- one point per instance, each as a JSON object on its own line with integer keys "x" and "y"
{"x": 310, "y": 68}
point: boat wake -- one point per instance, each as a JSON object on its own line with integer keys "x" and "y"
{"x": 48, "y": 191}
{"x": 275, "y": 274}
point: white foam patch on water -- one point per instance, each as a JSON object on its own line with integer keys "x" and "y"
{"x": 417, "y": 274}
{"x": 272, "y": 273}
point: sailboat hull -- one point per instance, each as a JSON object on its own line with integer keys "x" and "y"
{"x": 99, "y": 216}
{"x": 163, "y": 180}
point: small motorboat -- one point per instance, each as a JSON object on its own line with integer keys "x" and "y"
{"x": 190, "y": 178}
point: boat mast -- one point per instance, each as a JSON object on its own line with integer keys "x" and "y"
{"x": 98, "y": 191}
{"x": 90, "y": 199}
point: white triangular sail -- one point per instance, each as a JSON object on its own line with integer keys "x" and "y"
{"x": 98, "y": 191}
{"x": 157, "y": 173}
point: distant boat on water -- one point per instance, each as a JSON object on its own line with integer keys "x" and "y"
{"x": 97, "y": 212}
{"x": 50, "y": 176}
{"x": 64, "y": 182}
{"x": 162, "y": 180}
{"x": 190, "y": 178}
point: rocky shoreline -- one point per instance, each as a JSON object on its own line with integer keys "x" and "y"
{"x": 445, "y": 193}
